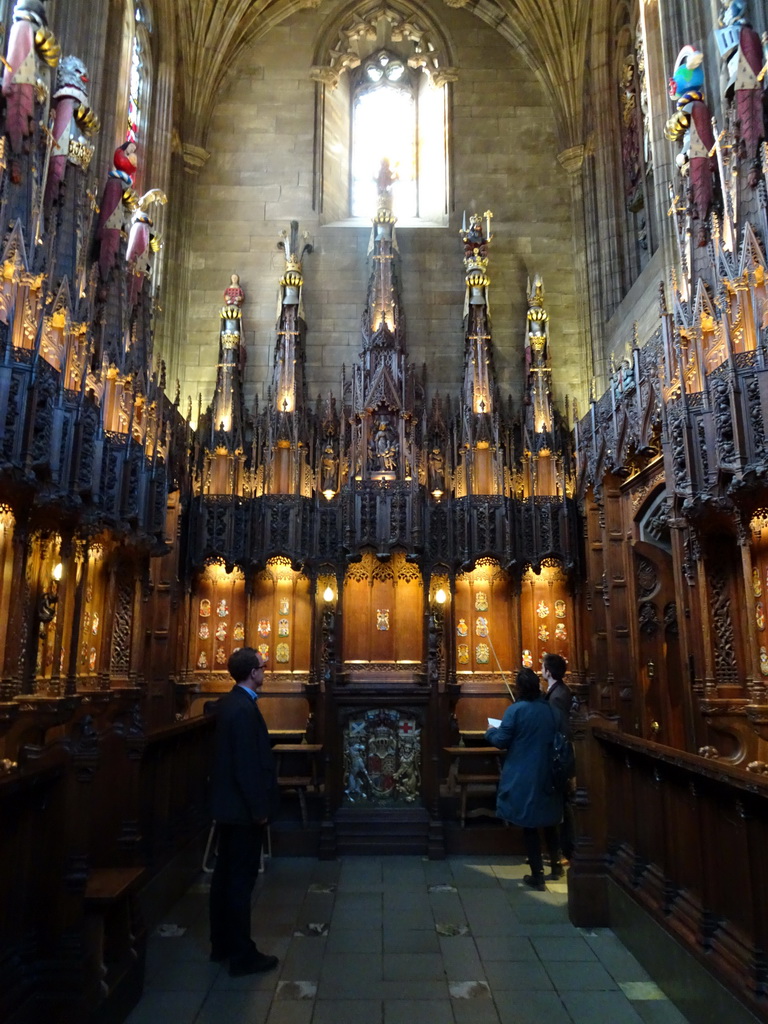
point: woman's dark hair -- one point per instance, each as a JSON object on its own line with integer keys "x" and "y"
{"x": 527, "y": 684}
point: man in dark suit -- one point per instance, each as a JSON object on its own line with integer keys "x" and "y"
{"x": 553, "y": 669}
{"x": 244, "y": 786}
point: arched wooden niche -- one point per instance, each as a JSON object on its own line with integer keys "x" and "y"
{"x": 383, "y": 612}
{"x": 485, "y": 621}
{"x": 280, "y": 623}
{"x": 546, "y": 615}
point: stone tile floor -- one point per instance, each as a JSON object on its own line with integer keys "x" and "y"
{"x": 401, "y": 940}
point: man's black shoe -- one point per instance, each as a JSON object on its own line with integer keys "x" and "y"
{"x": 535, "y": 882}
{"x": 558, "y": 871}
{"x": 256, "y": 964}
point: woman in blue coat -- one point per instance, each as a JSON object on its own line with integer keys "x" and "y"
{"x": 526, "y": 794}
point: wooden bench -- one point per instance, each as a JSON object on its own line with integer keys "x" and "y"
{"x": 307, "y": 754}
{"x": 468, "y": 774}
{"x": 115, "y": 938}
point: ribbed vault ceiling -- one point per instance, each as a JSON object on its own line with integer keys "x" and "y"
{"x": 212, "y": 35}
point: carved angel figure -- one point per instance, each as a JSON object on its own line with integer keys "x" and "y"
{"x": 141, "y": 241}
{"x": 116, "y": 201}
{"x": 692, "y": 123}
{"x": 31, "y": 46}
{"x": 741, "y": 53}
{"x": 73, "y": 121}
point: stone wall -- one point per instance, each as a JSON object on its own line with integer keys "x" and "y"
{"x": 260, "y": 176}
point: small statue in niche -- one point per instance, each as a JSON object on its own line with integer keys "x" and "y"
{"x": 436, "y": 470}
{"x": 329, "y": 468}
{"x": 384, "y": 448}
{"x": 31, "y": 47}
{"x": 692, "y": 123}
{"x": 742, "y": 56}
{"x": 117, "y": 200}
{"x": 73, "y": 121}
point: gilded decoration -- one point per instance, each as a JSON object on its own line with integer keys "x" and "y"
{"x": 282, "y": 653}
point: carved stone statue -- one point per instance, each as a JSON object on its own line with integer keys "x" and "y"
{"x": 692, "y": 122}
{"x": 31, "y": 47}
{"x": 116, "y": 201}
{"x": 329, "y": 468}
{"x": 73, "y": 121}
{"x": 234, "y": 294}
{"x": 436, "y": 470}
{"x": 741, "y": 53}
{"x": 384, "y": 448}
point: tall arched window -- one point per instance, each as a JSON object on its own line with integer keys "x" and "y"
{"x": 139, "y": 75}
{"x": 383, "y": 78}
{"x": 384, "y": 125}
{"x": 635, "y": 135}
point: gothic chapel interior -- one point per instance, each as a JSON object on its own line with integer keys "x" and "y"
{"x": 405, "y": 341}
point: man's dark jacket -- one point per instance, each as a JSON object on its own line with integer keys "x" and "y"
{"x": 243, "y": 781}
{"x": 560, "y": 697}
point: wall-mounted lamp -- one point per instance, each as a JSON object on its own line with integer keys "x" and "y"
{"x": 328, "y": 595}
{"x": 58, "y": 572}
{"x": 328, "y": 494}
{"x": 440, "y": 596}
{"x": 437, "y": 495}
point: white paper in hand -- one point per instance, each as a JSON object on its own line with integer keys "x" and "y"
{"x": 494, "y": 723}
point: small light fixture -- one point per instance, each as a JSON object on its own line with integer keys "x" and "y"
{"x": 328, "y": 494}
{"x": 328, "y": 595}
{"x": 440, "y": 596}
{"x": 58, "y": 571}
{"x": 437, "y": 494}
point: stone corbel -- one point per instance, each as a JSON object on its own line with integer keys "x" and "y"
{"x": 572, "y": 158}
{"x": 195, "y": 157}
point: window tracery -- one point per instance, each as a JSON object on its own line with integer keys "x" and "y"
{"x": 379, "y": 70}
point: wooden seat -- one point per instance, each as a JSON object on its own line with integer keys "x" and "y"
{"x": 465, "y": 759}
{"x": 308, "y": 753}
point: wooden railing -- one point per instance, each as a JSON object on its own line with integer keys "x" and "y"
{"x": 687, "y": 839}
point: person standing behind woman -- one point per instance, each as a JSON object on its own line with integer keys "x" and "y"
{"x": 560, "y": 696}
{"x": 243, "y": 790}
{"x": 526, "y": 796}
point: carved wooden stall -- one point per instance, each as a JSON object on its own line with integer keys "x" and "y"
{"x": 672, "y": 475}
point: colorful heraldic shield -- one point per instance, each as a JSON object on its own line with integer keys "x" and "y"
{"x": 462, "y": 654}
{"x": 282, "y": 653}
{"x": 382, "y": 619}
{"x": 205, "y": 608}
{"x": 382, "y": 758}
{"x": 481, "y": 626}
{"x": 481, "y": 601}
{"x": 482, "y": 654}
{"x": 462, "y": 629}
